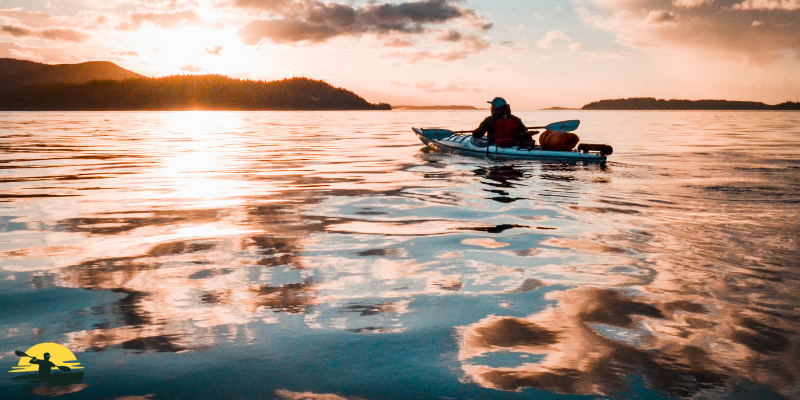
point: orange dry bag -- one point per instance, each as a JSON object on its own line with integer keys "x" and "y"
{"x": 561, "y": 141}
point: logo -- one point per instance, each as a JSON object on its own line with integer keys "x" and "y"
{"x": 47, "y": 362}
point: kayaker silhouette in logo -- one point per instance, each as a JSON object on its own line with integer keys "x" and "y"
{"x": 44, "y": 365}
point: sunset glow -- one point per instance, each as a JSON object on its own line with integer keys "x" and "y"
{"x": 425, "y": 52}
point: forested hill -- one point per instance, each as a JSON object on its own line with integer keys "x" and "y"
{"x": 650, "y": 103}
{"x": 18, "y": 73}
{"x": 186, "y": 92}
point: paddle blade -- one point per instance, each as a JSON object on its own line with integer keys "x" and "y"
{"x": 20, "y": 354}
{"x": 563, "y": 126}
{"x": 63, "y": 368}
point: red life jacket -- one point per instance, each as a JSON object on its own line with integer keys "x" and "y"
{"x": 505, "y": 131}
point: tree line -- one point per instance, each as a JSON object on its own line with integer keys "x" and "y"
{"x": 186, "y": 92}
{"x": 650, "y": 103}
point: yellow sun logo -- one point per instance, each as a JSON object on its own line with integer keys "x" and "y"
{"x": 59, "y": 355}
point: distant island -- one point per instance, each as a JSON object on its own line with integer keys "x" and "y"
{"x": 28, "y": 86}
{"x": 650, "y": 103}
{"x": 449, "y": 108}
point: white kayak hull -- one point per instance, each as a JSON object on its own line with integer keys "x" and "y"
{"x": 446, "y": 140}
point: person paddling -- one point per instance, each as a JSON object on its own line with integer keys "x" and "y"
{"x": 502, "y": 128}
{"x": 44, "y": 365}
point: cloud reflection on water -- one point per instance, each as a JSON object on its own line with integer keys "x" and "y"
{"x": 206, "y": 234}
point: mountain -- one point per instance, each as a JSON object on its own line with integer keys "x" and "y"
{"x": 186, "y": 92}
{"x": 650, "y": 103}
{"x": 19, "y": 73}
{"x": 11, "y": 66}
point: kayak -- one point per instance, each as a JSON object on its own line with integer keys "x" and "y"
{"x": 447, "y": 140}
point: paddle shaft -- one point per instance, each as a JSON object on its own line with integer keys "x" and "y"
{"x": 473, "y": 131}
{"x": 22, "y": 354}
{"x": 563, "y": 126}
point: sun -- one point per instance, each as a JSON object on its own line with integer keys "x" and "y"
{"x": 59, "y": 355}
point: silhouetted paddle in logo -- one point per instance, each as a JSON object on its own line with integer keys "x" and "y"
{"x": 43, "y": 367}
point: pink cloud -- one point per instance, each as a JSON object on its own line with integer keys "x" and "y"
{"x": 58, "y": 34}
{"x": 315, "y": 21}
{"x": 549, "y": 40}
{"x": 719, "y": 28}
{"x": 166, "y": 20}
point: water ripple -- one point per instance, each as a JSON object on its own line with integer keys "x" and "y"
{"x": 219, "y": 236}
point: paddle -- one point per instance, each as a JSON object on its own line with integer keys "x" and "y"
{"x": 562, "y": 126}
{"x": 22, "y": 354}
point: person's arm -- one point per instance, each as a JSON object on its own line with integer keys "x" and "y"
{"x": 522, "y": 128}
{"x": 483, "y": 128}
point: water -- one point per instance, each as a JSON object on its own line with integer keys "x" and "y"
{"x": 309, "y": 254}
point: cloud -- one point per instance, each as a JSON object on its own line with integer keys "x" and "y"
{"x": 575, "y": 47}
{"x": 87, "y": 19}
{"x": 451, "y": 35}
{"x": 660, "y": 18}
{"x": 789, "y": 5}
{"x": 472, "y": 43}
{"x": 17, "y": 31}
{"x": 549, "y": 39}
{"x": 315, "y": 21}
{"x": 167, "y": 20}
{"x": 510, "y": 46}
{"x": 690, "y": 3}
{"x": 286, "y": 31}
{"x": 453, "y": 87}
{"x": 398, "y": 42}
{"x": 414, "y": 57}
{"x": 269, "y": 5}
{"x": 121, "y": 55}
{"x": 588, "y": 18}
{"x": 58, "y": 34}
{"x": 609, "y": 55}
{"x": 93, "y": 19}
{"x": 33, "y": 19}
{"x": 191, "y": 68}
{"x": 125, "y": 53}
{"x": 217, "y": 50}
{"x": 709, "y": 29}
{"x": 497, "y": 68}
{"x": 469, "y": 44}
{"x": 38, "y": 54}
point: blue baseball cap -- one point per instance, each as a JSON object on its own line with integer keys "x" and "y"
{"x": 498, "y": 102}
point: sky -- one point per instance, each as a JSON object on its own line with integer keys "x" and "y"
{"x": 535, "y": 54}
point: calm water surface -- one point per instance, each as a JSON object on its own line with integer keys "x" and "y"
{"x": 311, "y": 254}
